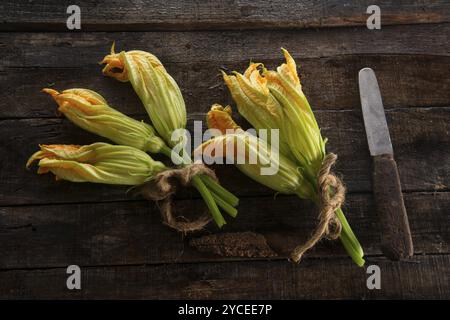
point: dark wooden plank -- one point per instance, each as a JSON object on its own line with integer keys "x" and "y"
{"x": 420, "y": 138}
{"x": 69, "y": 50}
{"x": 329, "y": 83}
{"x": 190, "y": 15}
{"x": 132, "y": 232}
{"x": 329, "y": 62}
{"x": 425, "y": 278}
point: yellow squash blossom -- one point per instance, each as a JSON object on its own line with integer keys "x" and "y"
{"x": 90, "y": 111}
{"x": 157, "y": 90}
{"x": 163, "y": 101}
{"x": 98, "y": 163}
{"x": 274, "y": 100}
{"x": 255, "y": 103}
{"x": 264, "y": 97}
{"x": 300, "y": 129}
{"x": 283, "y": 174}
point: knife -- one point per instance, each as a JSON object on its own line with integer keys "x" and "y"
{"x": 396, "y": 241}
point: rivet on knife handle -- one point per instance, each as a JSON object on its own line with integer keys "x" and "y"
{"x": 396, "y": 241}
{"x": 396, "y": 235}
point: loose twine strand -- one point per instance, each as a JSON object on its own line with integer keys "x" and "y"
{"x": 332, "y": 196}
{"x": 162, "y": 188}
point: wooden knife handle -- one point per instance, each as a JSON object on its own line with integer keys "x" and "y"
{"x": 396, "y": 241}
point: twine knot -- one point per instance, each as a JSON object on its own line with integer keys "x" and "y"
{"x": 163, "y": 187}
{"x": 331, "y": 198}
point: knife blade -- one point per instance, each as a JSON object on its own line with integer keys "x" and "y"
{"x": 396, "y": 240}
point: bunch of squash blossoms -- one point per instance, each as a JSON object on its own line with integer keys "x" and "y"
{"x": 127, "y": 162}
{"x": 274, "y": 100}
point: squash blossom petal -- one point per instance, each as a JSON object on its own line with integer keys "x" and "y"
{"x": 98, "y": 163}
{"x": 157, "y": 90}
{"x": 287, "y": 178}
{"x": 220, "y": 118}
{"x": 90, "y": 111}
{"x": 300, "y": 129}
{"x": 255, "y": 103}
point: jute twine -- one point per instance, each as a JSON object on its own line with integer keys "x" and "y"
{"x": 163, "y": 187}
{"x": 332, "y": 196}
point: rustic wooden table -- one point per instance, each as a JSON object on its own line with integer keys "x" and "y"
{"x": 119, "y": 242}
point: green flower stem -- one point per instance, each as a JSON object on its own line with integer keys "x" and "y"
{"x": 216, "y": 187}
{"x": 350, "y": 250}
{"x": 202, "y": 189}
{"x": 220, "y": 191}
{"x": 224, "y": 205}
{"x": 349, "y": 232}
{"x": 348, "y": 238}
{"x": 213, "y": 185}
{"x": 209, "y": 200}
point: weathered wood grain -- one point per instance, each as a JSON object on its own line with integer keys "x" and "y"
{"x": 420, "y": 138}
{"x": 124, "y": 250}
{"x": 329, "y": 83}
{"x": 190, "y": 15}
{"x": 425, "y": 278}
{"x": 69, "y": 50}
{"x": 132, "y": 232}
{"x": 412, "y": 70}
